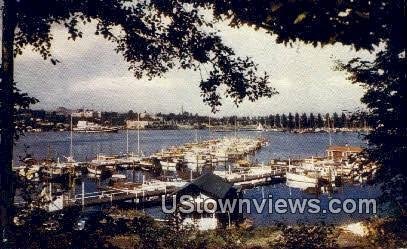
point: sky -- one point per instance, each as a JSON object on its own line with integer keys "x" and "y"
{"x": 93, "y": 76}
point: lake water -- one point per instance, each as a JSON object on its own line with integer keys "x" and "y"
{"x": 281, "y": 191}
{"x": 281, "y": 145}
{"x": 87, "y": 145}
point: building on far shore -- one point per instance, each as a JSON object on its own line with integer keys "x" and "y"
{"x": 146, "y": 120}
{"x": 337, "y": 153}
{"x": 82, "y": 113}
{"x": 135, "y": 124}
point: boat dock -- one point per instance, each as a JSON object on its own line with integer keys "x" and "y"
{"x": 113, "y": 196}
{"x": 152, "y": 194}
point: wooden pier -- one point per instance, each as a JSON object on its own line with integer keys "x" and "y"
{"x": 154, "y": 197}
{"x": 112, "y": 196}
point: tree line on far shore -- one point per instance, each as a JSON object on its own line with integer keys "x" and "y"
{"x": 280, "y": 120}
{"x": 312, "y": 121}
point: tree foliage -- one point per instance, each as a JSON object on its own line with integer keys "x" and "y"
{"x": 153, "y": 37}
{"x": 363, "y": 25}
{"x": 385, "y": 82}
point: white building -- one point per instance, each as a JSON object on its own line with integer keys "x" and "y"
{"x": 135, "y": 124}
{"x": 145, "y": 120}
{"x": 86, "y": 114}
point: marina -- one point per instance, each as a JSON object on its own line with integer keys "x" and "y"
{"x": 247, "y": 159}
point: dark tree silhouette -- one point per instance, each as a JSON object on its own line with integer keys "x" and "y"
{"x": 284, "y": 121}
{"x": 272, "y": 121}
{"x": 304, "y": 120}
{"x": 344, "y": 120}
{"x": 291, "y": 123}
{"x": 363, "y": 25}
{"x": 320, "y": 121}
{"x": 385, "y": 81}
{"x": 335, "y": 120}
{"x": 328, "y": 121}
{"x": 152, "y": 36}
{"x": 278, "y": 121}
{"x": 297, "y": 120}
{"x": 311, "y": 120}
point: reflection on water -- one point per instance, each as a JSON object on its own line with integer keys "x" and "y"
{"x": 305, "y": 186}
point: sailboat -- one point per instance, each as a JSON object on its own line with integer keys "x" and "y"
{"x": 132, "y": 158}
{"x": 70, "y": 161}
{"x": 63, "y": 168}
{"x": 260, "y": 127}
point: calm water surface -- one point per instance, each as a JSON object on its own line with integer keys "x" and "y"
{"x": 87, "y": 145}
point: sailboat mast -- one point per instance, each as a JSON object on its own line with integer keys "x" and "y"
{"x": 236, "y": 126}
{"x": 209, "y": 125}
{"x": 127, "y": 141}
{"x": 138, "y": 133}
{"x": 329, "y": 131}
{"x": 71, "y": 142}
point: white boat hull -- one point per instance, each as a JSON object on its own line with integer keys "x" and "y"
{"x": 170, "y": 166}
{"x": 94, "y": 171}
{"x": 301, "y": 178}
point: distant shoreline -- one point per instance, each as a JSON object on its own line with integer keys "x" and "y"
{"x": 221, "y": 130}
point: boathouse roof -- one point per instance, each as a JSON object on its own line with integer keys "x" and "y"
{"x": 212, "y": 185}
{"x": 344, "y": 148}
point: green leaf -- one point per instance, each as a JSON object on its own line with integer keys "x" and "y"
{"x": 300, "y": 17}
